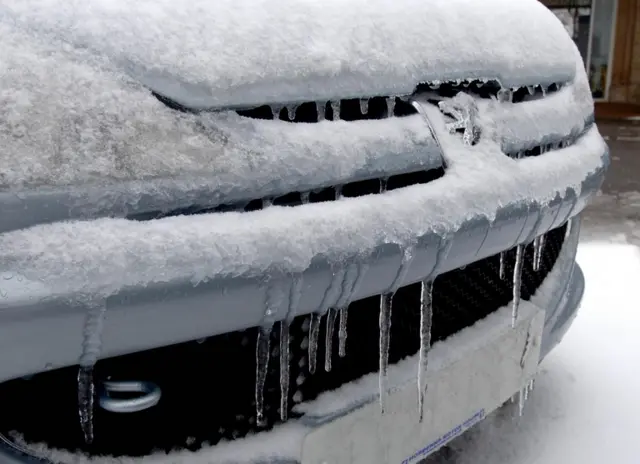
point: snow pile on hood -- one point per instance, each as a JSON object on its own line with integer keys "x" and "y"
{"x": 65, "y": 119}
{"x": 243, "y": 52}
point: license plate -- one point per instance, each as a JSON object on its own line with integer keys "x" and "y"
{"x": 480, "y": 369}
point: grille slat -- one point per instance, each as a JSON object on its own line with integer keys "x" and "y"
{"x": 208, "y": 387}
{"x": 376, "y": 107}
{"x": 351, "y": 189}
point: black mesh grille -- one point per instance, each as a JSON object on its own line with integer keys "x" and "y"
{"x": 208, "y": 387}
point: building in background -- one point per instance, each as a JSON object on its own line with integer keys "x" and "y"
{"x": 593, "y": 25}
{"x": 607, "y": 33}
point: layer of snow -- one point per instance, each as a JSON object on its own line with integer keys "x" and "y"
{"x": 70, "y": 118}
{"x": 283, "y": 443}
{"x": 249, "y": 51}
{"x": 525, "y": 125}
{"x": 584, "y": 408}
{"x": 105, "y": 255}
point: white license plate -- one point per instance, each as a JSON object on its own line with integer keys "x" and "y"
{"x": 482, "y": 370}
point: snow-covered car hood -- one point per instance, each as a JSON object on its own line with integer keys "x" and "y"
{"x": 82, "y": 136}
{"x": 229, "y": 53}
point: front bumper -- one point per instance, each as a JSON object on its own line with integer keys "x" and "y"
{"x": 48, "y": 330}
{"x": 468, "y": 361}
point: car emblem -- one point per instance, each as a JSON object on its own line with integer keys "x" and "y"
{"x": 464, "y": 111}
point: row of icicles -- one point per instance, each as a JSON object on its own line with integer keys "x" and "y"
{"x": 386, "y": 304}
{"x": 504, "y": 95}
{"x": 335, "y": 109}
{"x": 96, "y": 311}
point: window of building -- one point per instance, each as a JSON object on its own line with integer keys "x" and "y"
{"x": 591, "y": 24}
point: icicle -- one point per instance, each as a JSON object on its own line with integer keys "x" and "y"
{"x": 350, "y": 287}
{"x": 91, "y": 347}
{"x": 86, "y": 394}
{"x": 304, "y": 197}
{"x": 517, "y": 283}
{"x": 262, "y": 365}
{"x": 295, "y": 293}
{"x": 535, "y": 253}
{"x": 291, "y": 112}
{"x": 541, "y": 251}
{"x": 275, "y": 111}
{"x": 386, "y": 302}
{"x": 505, "y": 96}
{"x": 314, "y": 333}
{"x": 284, "y": 369}
{"x": 383, "y": 184}
{"x": 527, "y": 349}
{"x": 275, "y": 296}
{"x": 342, "y": 332}
{"x": 266, "y": 202}
{"x": 391, "y": 106}
{"x": 328, "y": 339}
{"x": 364, "y": 106}
{"x": 329, "y": 300}
{"x": 350, "y": 278}
{"x": 502, "y": 265}
{"x": 435, "y": 85}
{"x": 426, "y": 318}
{"x": 338, "y": 192}
{"x": 521, "y": 401}
{"x": 320, "y": 108}
{"x": 335, "y": 108}
{"x": 538, "y": 245}
{"x": 531, "y": 89}
{"x": 526, "y": 392}
{"x": 544, "y": 90}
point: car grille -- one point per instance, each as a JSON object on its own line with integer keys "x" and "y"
{"x": 348, "y": 190}
{"x": 380, "y": 107}
{"x": 208, "y": 386}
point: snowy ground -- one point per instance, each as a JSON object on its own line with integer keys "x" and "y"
{"x": 584, "y": 408}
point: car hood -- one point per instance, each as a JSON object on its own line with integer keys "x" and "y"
{"x": 235, "y": 53}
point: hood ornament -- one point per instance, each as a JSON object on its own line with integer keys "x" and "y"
{"x": 464, "y": 111}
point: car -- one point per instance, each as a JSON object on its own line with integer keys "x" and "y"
{"x": 282, "y": 231}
